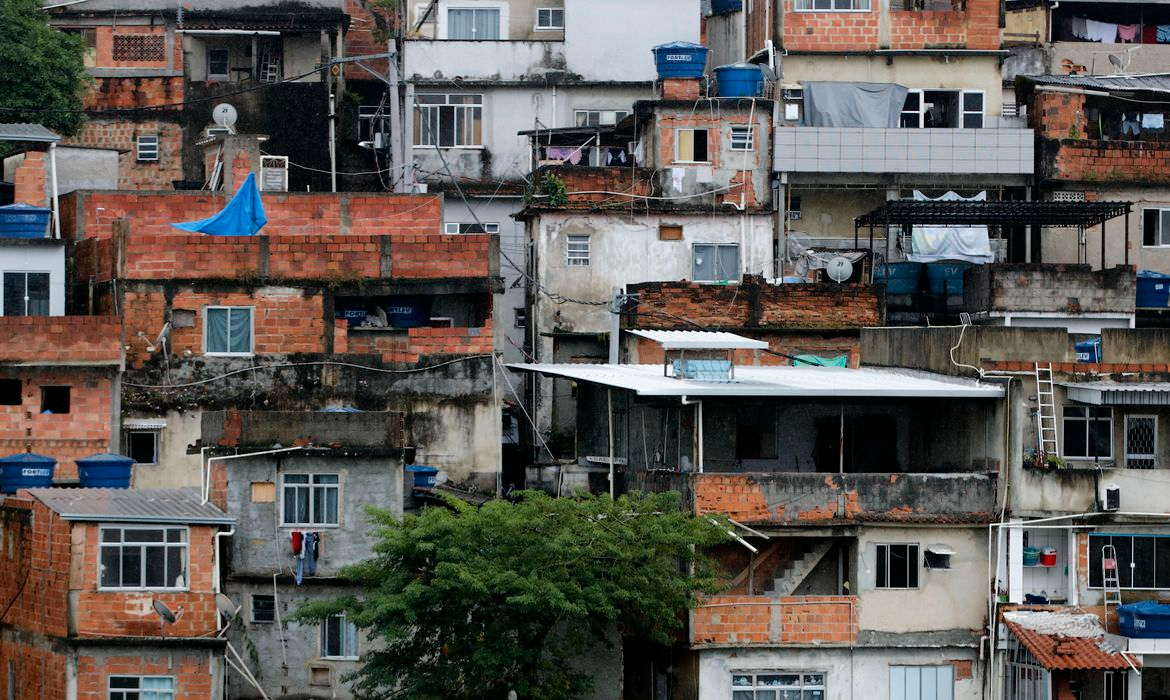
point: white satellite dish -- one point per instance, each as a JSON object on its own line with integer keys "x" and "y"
{"x": 839, "y": 268}
{"x": 224, "y": 114}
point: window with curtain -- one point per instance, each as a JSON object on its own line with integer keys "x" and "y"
{"x": 26, "y": 294}
{"x": 473, "y": 24}
{"x": 227, "y": 330}
{"x": 142, "y": 688}
{"x": 310, "y": 499}
{"x": 339, "y": 638}
{"x": 448, "y": 121}
{"x": 690, "y": 146}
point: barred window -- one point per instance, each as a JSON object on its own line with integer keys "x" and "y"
{"x": 139, "y": 47}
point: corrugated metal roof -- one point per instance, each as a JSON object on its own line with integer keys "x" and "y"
{"x": 132, "y": 505}
{"x": 701, "y": 340}
{"x": 1119, "y": 393}
{"x": 648, "y": 380}
{"x": 27, "y": 132}
{"x": 1152, "y": 82}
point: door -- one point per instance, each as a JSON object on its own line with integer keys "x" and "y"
{"x": 1141, "y": 442}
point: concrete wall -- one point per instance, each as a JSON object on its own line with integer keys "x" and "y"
{"x": 598, "y": 49}
{"x": 1065, "y": 289}
{"x": 261, "y": 545}
{"x": 37, "y": 255}
{"x": 77, "y": 169}
{"x": 830, "y": 212}
{"x": 175, "y": 468}
{"x": 1061, "y": 245}
{"x": 496, "y": 60}
{"x": 851, "y": 673}
{"x": 724, "y": 36}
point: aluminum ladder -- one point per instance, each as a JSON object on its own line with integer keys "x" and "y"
{"x": 1046, "y": 418}
{"x": 1109, "y": 578}
{"x": 269, "y": 69}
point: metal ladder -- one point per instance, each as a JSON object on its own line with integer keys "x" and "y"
{"x": 1046, "y": 418}
{"x": 269, "y": 68}
{"x": 1109, "y": 578}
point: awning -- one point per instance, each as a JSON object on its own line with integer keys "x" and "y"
{"x": 1119, "y": 393}
{"x": 701, "y": 340}
{"x": 143, "y": 424}
{"x": 941, "y": 549}
{"x": 967, "y": 213}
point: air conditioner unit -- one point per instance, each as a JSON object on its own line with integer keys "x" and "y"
{"x": 1110, "y": 498}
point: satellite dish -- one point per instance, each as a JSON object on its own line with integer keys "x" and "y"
{"x": 1115, "y": 61}
{"x": 839, "y": 268}
{"x": 226, "y": 606}
{"x": 224, "y": 114}
{"x": 165, "y": 615}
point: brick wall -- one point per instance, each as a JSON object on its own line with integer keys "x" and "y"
{"x": 30, "y": 179}
{"x": 582, "y": 179}
{"x": 104, "y": 45}
{"x": 39, "y": 672}
{"x": 735, "y": 495}
{"x": 123, "y": 134}
{"x": 1057, "y": 115}
{"x": 36, "y": 576}
{"x": 1098, "y": 161}
{"x": 60, "y": 339}
{"x": 409, "y": 345}
{"x": 974, "y": 27}
{"x": 680, "y": 89}
{"x": 189, "y": 667}
{"x": 359, "y": 38}
{"x": 744, "y": 620}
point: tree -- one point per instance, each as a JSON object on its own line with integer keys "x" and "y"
{"x": 43, "y": 75}
{"x": 473, "y": 603}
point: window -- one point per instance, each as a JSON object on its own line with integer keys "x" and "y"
{"x": 521, "y": 316}
{"x": 755, "y": 433}
{"x": 26, "y": 294}
{"x": 448, "y": 121}
{"x": 577, "y": 250}
{"x": 897, "y": 566}
{"x": 133, "y": 48}
{"x": 454, "y": 228}
{"x": 55, "y": 399}
{"x": 832, "y": 5}
{"x": 1141, "y": 442}
{"x": 1088, "y": 432}
{"x": 10, "y": 392}
{"x": 938, "y": 557}
{"x": 1137, "y": 560}
{"x": 714, "y": 262}
{"x": 1155, "y": 227}
{"x": 778, "y": 685}
{"x": 217, "y": 64}
{"x": 743, "y": 138}
{"x": 690, "y": 146}
{"x": 144, "y": 557}
{"x": 146, "y": 148}
{"x": 227, "y": 330}
{"x": 142, "y": 688}
{"x": 263, "y": 608}
{"x": 794, "y": 208}
{"x": 972, "y": 109}
{"x": 339, "y": 638}
{"x": 922, "y": 682}
{"x": 550, "y": 18}
{"x": 88, "y": 38}
{"x": 473, "y": 24}
{"x": 600, "y": 117}
{"x": 310, "y": 499}
{"x": 373, "y": 120}
{"x": 142, "y": 446}
{"x": 948, "y": 109}
{"x": 1068, "y": 196}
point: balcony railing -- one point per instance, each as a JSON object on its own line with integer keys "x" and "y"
{"x": 742, "y": 620}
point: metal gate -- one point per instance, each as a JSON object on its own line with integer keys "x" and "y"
{"x": 1141, "y": 442}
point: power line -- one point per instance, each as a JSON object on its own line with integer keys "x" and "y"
{"x": 322, "y": 363}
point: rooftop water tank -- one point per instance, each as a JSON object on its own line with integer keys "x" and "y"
{"x": 23, "y": 221}
{"x": 26, "y": 471}
{"x": 105, "y": 471}
{"x": 720, "y": 7}
{"x": 740, "y": 80}
{"x": 680, "y": 59}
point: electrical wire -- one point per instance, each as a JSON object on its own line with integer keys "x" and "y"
{"x": 322, "y": 363}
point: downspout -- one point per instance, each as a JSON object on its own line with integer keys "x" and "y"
{"x": 216, "y": 579}
{"x": 56, "y": 200}
{"x": 207, "y": 471}
{"x": 699, "y": 428}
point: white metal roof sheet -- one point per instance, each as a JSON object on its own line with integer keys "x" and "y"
{"x": 809, "y": 382}
{"x": 1119, "y": 393}
{"x": 132, "y": 505}
{"x": 27, "y": 132}
{"x": 701, "y": 340}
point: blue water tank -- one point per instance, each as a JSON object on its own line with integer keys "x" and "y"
{"x": 740, "y": 80}
{"x": 1088, "y": 350}
{"x": 722, "y": 7}
{"x": 946, "y": 278}
{"x": 105, "y": 471}
{"x": 899, "y": 277}
{"x": 424, "y": 476}
{"x": 23, "y": 221}
{"x": 26, "y": 471}
{"x": 1153, "y": 290}
{"x": 680, "y": 59}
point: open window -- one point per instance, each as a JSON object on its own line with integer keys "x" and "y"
{"x": 938, "y": 557}
{"x": 55, "y": 399}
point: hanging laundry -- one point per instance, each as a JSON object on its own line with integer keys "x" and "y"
{"x": 296, "y": 537}
{"x": 1149, "y": 34}
{"x": 1127, "y": 33}
{"x": 1130, "y": 124}
{"x": 676, "y": 178}
{"x": 1105, "y": 32}
{"x": 1079, "y": 29}
{"x": 311, "y": 553}
{"x": 616, "y": 156}
{"x": 1153, "y": 120}
{"x": 1163, "y": 34}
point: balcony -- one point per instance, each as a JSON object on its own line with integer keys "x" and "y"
{"x": 1002, "y": 152}
{"x": 816, "y": 499}
{"x": 483, "y": 60}
{"x": 743, "y": 620}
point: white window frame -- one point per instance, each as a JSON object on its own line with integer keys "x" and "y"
{"x": 678, "y": 154}
{"x": 251, "y": 331}
{"x": 805, "y": 680}
{"x": 578, "y": 249}
{"x": 146, "y": 148}
{"x": 121, "y": 546}
{"x": 520, "y": 317}
{"x": 353, "y": 638}
{"x": 743, "y": 137}
{"x": 501, "y": 10}
{"x": 1162, "y": 239}
{"x": 1085, "y": 421}
{"x": 156, "y": 436}
{"x": 252, "y": 609}
{"x": 227, "y": 62}
{"x": 943, "y": 676}
{"x": 716, "y": 248}
{"x": 551, "y": 25}
{"x": 314, "y": 490}
{"x": 25, "y": 273}
{"x": 1153, "y": 457}
{"x": 964, "y": 112}
{"x": 454, "y": 228}
{"x": 913, "y": 559}
{"x": 602, "y": 116}
{"x": 476, "y": 110}
{"x": 808, "y": 6}
{"x": 140, "y": 693}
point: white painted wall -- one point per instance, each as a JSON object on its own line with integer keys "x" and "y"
{"x": 175, "y": 468}
{"x": 611, "y": 39}
{"x": 852, "y": 674}
{"x": 37, "y": 255}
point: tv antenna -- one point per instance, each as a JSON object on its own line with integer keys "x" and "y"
{"x": 165, "y": 616}
{"x": 839, "y": 268}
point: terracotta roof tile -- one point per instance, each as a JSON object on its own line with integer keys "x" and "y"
{"x": 1071, "y": 653}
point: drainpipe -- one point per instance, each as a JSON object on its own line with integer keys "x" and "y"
{"x": 215, "y": 575}
{"x": 56, "y": 201}
{"x": 207, "y": 471}
{"x": 699, "y": 425}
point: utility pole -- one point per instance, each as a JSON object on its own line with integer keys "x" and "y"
{"x": 398, "y": 163}
{"x": 615, "y": 326}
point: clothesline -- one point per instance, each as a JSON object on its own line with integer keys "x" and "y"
{"x": 1113, "y": 33}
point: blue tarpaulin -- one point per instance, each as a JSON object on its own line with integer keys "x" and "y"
{"x": 243, "y": 216}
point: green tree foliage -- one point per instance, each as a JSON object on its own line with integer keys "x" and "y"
{"x": 42, "y": 70}
{"x": 471, "y": 603}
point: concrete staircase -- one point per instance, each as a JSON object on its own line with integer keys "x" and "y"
{"x": 797, "y": 571}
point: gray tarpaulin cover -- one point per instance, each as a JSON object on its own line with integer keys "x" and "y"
{"x": 870, "y": 105}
